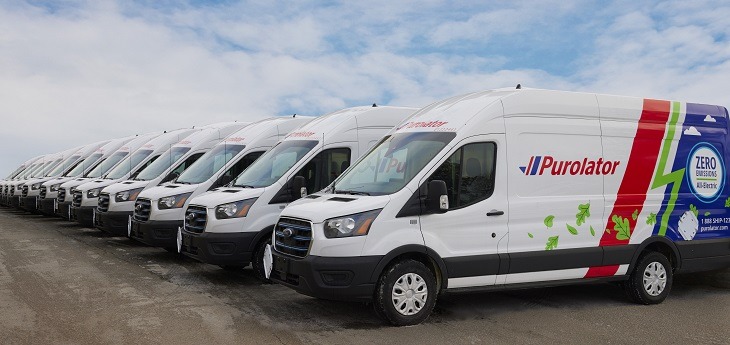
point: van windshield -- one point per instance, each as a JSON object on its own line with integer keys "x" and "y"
{"x": 107, "y": 164}
{"x": 63, "y": 166}
{"x": 127, "y": 164}
{"x": 83, "y": 165}
{"x": 273, "y": 164}
{"x": 205, "y": 167}
{"x": 46, "y": 168}
{"x": 27, "y": 172}
{"x": 162, "y": 163}
{"x": 392, "y": 163}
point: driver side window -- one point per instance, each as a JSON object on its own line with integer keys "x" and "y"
{"x": 468, "y": 173}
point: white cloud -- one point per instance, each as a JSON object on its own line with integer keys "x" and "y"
{"x": 709, "y": 118}
{"x": 692, "y": 131}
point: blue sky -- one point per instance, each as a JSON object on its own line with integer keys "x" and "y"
{"x": 74, "y": 72}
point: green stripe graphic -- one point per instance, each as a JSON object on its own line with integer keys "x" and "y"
{"x": 675, "y": 177}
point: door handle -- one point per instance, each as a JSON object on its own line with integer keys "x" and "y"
{"x": 495, "y": 213}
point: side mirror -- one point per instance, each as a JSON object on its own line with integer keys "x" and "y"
{"x": 298, "y": 187}
{"x": 437, "y": 200}
{"x": 170, "y": 177}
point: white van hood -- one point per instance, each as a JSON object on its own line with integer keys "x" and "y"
{"x": 157, "y": 192}
{"x": 125, "y": 186}
{"x": 225, "y": 195}
{"x": 319, "y": 207}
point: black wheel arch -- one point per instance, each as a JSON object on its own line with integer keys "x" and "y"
{"x": 659, "y": 244}
{"x": 418, "y": 252}
{"x": 259, "y": 236}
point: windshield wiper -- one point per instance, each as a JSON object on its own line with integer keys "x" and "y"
{"x": 243, "y": 186}
{"x": 351, "y": 192}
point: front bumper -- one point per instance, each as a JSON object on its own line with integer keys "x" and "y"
{"x": 29, "y": 203}
{"x": 63, "y": 210}
{"x": 48, "y": 206}
{"x": 332, "y": 278}
{"x": 223, "y": 249}
{"x": 160, "y": 233}
{"x": 114, "y": 223}
{"x": 84, "y": 215}
{"x": 15, "y": 201}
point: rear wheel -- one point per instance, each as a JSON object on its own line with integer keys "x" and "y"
{"x": 257, "y": 261}
{"x": 651, "y": 280}
{"x": 405, "y": 293}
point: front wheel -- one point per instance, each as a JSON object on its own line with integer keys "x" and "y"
{"x": 651, "y": 279}
{"x": 257, "y": 261}
{"x": 405, "y": 293}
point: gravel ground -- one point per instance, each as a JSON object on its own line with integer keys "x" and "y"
{"x": 62, "y": 284}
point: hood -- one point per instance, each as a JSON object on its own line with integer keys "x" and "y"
{"x": 125, "y": 186}
{"x": 57, "y": 180}
{"x": 225, "y": 195}
{"x": 95, "y": 184}
{"x": 318, "y": 207}
{"x": 158, "y": 192}
{"x": 74, "y": 182}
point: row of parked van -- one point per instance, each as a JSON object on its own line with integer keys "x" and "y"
{"x": 507, "y": 188}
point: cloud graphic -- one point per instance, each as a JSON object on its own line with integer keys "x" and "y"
{"x": 692, "y": 131}
{"x": 709, "y": 118}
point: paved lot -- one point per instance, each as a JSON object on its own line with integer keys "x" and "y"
{"x": 62, "y": 284}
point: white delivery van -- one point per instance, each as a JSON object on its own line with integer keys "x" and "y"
{"x": 29, "y": 185}
{"x": 11, "y": 198}
{"x": 37, "y": 191}
{"x": 5, "y": 183}
{"x": 98, "y": 164}
{"x": 48, "y": 197}
{"x": 512, "y": 189}
{"x": 86, "y": 196}
{"x": 116, "y": 202}
{"x": 231, "y": 226}
{"x": 159, "y": 211}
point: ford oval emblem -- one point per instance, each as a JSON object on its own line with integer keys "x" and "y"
{"x": 138, "y": 207}
{"x": 288, "y": 232}
{"x": 190, "y": 217}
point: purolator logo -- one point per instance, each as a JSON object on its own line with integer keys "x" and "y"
{"x": 547, "y": 165}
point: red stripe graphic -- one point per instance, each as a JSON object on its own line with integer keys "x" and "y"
{"x": 529, "y": 165}
{"x": 639, "y": 172}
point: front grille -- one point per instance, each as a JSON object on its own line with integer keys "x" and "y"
{"x": 296, "y": 240}
{"x": 12, "y": 190}
{"x": 142, "y": 209}
{"x": 195, "y": 219}
{"x": 103, "y": 205}
{"x": 43, "y": 192}
{"x": 6, "y": 189}
{"x": 25, "y": 190}
{"x": 61, "y": 195}
{"x": 76, "y": 202}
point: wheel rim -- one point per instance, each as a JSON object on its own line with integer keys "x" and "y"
{"x": 655, "y": 279}
{"x": 409, "y": 294}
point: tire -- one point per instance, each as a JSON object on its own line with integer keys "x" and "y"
{"x": 257, "y": 261}
{"x": 657, "y": 270}
{"x": 409, "y": 309}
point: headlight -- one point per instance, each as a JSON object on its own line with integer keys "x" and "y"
{"x": 352, "y": 225}
{"x": 127, "y": 195}
{"x": 234, "y": 209}
{"x": 35, "y": 186}
{"x": 93, "y": 193}
{"x": 175, "y": 201}
{"x": 54, "y": 188}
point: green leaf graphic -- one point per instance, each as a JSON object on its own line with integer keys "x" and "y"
{"x": 693, "y": 208}
{"x": 584, "y": 211}
{"x": 707, "y": 214}
{"x": 727, "y": 202}
{"x": 571, "y": 229}
{"x": 621, "y": 225}
{"x": 593, "y": 232}
{"x": 529, "y": 234}
{"x": 635, "y": 214}
{"x": 549, "y": 221}
{"x": 552, "y": 243}
{"x": 651, "y": 219}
